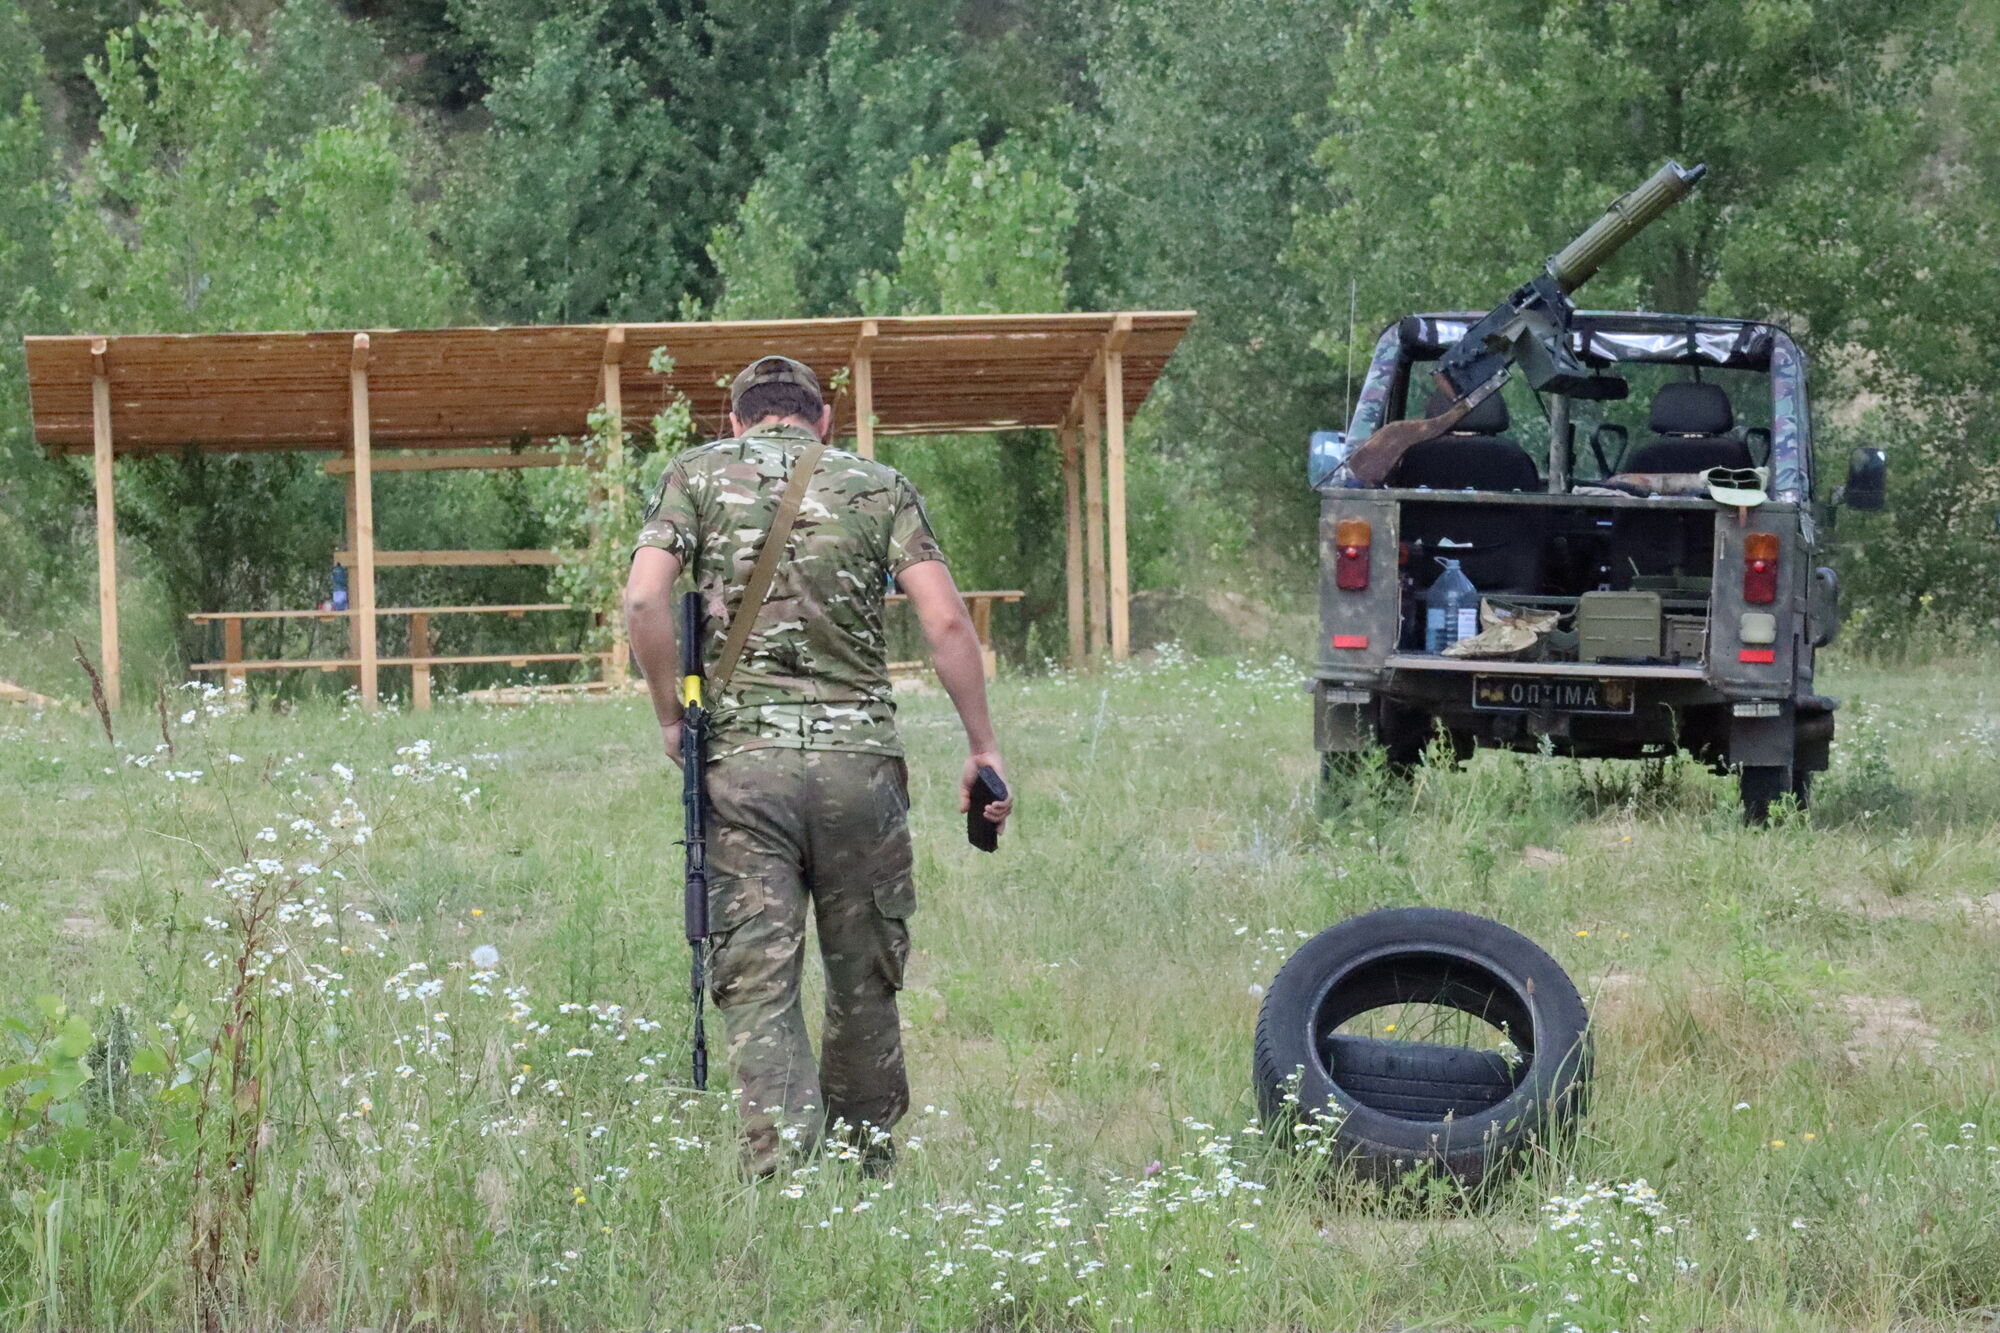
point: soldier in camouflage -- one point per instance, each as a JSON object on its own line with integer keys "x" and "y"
{"x": 807, "y": 786}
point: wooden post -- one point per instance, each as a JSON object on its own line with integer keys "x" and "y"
{"x": 1093, "y": 525}
{"x": 864, "y": 389}
{"x": 982, "y": 627}
{"x": 1114, "y": 467}
{"x": 350, "y": 636}
{"x": 232, "y": 651}
{"x": 361, "y": 592}
{"x": 420, "y": 672}
{"x": 1072, "y": 465}
{"x": 107, "y": 522}
{"x": 614, "y": 467}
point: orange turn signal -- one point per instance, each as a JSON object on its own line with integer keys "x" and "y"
{"x": 1760, "y": 568}
{"x": 1351, "y": 537}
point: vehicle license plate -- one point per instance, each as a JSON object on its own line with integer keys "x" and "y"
{"x": 1519, "y": 694}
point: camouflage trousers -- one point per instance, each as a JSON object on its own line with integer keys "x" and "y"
{"x": 788, "y": 830}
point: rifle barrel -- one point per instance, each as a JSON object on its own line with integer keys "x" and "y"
{"x": 694, "y": 800}
{"x": 1630, "y": 214}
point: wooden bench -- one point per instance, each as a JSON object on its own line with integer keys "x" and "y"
{"x": 10, "y": 693}
{"x": 420, "y": 659}
{"x": 235, "y": 667}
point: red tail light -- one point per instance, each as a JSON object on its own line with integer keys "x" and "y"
{"x": 1760, "y": 568}
{"x": 1350, "y": 566}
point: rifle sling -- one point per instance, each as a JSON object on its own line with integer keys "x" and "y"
{"x": 758, "y": 587}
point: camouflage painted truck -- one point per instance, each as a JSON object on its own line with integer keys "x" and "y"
{"x": 1640, "y": 488}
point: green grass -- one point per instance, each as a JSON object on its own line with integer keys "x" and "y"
{"x": 1795, "y": 1041}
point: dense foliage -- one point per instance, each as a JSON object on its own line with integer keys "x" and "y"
{"x": 1299, "y": 173}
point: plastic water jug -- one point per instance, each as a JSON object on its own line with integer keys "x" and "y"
{"x": 340, "y": 587}
{"x": 1451, "y": 608}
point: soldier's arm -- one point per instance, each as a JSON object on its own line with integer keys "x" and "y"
{"x": 955, "y": 653}
{"x": 649, "y": 622}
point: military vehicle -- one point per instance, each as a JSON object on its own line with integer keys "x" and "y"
{"x": 1680, "y": 607}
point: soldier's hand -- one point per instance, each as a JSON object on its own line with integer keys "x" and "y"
{"x": 670, "y": 732}
{"x": 997, "y": 811}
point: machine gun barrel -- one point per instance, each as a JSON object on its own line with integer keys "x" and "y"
{"x": 1630, "y": 214}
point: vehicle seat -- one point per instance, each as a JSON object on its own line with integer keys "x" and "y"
{"x": 1472, "y": 455}
{"x": 1505, "y": 544}
{"x": 1691, "y": 425}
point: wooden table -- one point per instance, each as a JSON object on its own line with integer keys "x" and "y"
{"x": 981, "y": 605}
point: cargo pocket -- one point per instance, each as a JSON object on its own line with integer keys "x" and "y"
{"x": 895, "y": 900}
{"x": 733, "y": 901}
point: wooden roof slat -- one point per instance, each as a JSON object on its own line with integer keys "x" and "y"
{"x": 448, "y": 388}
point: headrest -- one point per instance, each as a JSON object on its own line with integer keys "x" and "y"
{"x": 1691, "y": 409}
{"x": 1489, "y": 418}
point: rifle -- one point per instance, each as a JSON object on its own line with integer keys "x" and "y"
{"x": 694, "y": 801}
{"x": 1529, "y": 329}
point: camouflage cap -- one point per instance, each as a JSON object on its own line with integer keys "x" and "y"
{"x": 772, "y": 370}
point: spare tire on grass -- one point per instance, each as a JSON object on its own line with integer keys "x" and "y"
{"x": 1396, "y": 1105}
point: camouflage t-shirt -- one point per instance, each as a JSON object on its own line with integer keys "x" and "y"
{"x": 814, "y": 675}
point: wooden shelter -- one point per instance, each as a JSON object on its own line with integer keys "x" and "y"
{"x": 497, "y": 397}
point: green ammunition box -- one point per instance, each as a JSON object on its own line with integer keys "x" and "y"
{"x": 1687, "y": 638}
{"x": 1618, "y": 627}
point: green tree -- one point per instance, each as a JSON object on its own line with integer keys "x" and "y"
{"x": 1447, "y": 181}
{"x": 318, "y": 67}
{"x": 182, "y": 218}
{"x": 64, "y": 35}
{"x": 625, "y": 132}
{"x": 41, "y": 539}
{"x": 565, "y": 211}
{"x": 987, "y": 234}
{"x": 1932, "y": 559}
{"x": 982, "y": 235}
{"x": 1199, "y": 163}
{"x": 341, "y": 237}
{"x": 761, "y": 259}
{"x": 827, "y": 207}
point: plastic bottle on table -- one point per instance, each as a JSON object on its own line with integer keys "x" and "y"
{"x": 1451, "y": 608}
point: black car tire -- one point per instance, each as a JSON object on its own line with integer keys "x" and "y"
{"x": 1399, "y": 1106}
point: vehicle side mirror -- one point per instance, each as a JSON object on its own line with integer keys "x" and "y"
{"x": 1324, "y": 455}
{"x": 1867, "y": 485}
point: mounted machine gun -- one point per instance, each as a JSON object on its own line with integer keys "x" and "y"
{"x": 1529, "y": 329}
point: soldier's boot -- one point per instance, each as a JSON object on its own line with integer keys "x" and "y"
{"x": 762, "y": 1152}
{"x": 774, "y": 1143}
{"x": 878, "y": 1158}
{"x": 870, "y": 1150}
